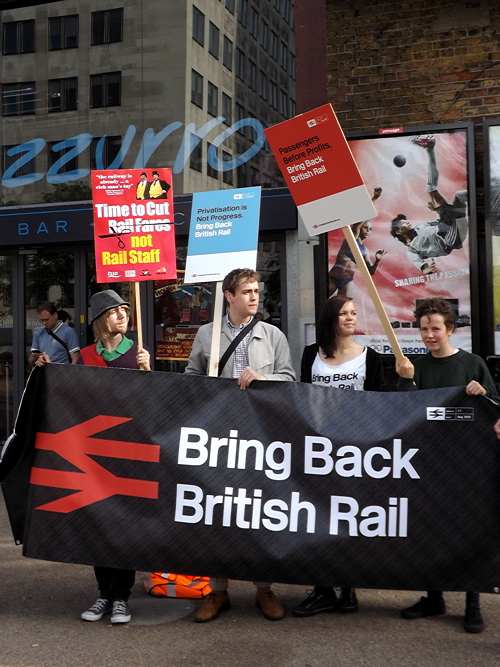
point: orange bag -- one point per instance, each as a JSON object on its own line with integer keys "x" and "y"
{"x": 166, "y": 584}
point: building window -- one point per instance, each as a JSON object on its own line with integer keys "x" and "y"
{"x": 284, "y": 55}
{"x": 107, "y": 26}
{"x": 285, "y": 9}
{"x": 196, "y": 89}
{"x": 254, "y": 22}
{"x": 18, "y": 37}
{"x": 227, "y": 176}
{"x": 274, "y": 46}
{"x": 63, "y": 32}
{"x": 211, "y": 171}
{"x": 241, "y": 175}
{"x": 196, "y": 159}
{"x": 227, "y": 53}
{"x": 243, "y": 12}
{"x": 63, "y": 94}
{"x": 264, "y": 32}
{"x": 227, "y": 109}
{"x": 291, "y": 65}
{"x": 105, "y": 90}
{"x": 263, "y": 85}
{"x": 252, "y": 75}
{"x": 276, "y": 4}
{"x": 198, "y": 26}
{"x": 292, "y": 108}
{"x": 19, "y": 98}
{"x": 212, "y": 99}
{"x": 53, "y": 156}
{"x": 283, "y": 103}
{"x": 273, "y": 94}
{"x": 213, "y": 40}
{"x": 230, "y": 5}
{"x": 240, "y": 115}
{"x": 240, "y": 64}
{"x": 103, "y": 150}
{"x": 8, "y": 160}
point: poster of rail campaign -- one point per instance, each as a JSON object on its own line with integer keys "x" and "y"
{"x": 133, "y": 225}
{"x": 417, "y": 246}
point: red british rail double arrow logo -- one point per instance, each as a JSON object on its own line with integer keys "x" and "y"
{"x": 93, "y": 482}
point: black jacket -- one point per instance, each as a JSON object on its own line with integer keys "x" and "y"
{"x": 374, "y": 369}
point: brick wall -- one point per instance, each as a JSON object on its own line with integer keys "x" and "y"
{"x": 413, "y": 63}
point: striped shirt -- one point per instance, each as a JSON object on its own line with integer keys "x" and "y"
{"x": 240, "y": 355}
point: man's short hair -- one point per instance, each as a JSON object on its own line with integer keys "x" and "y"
{"x": 439, "y": 306}
{"x": 395, "y": 227}
{"x": 48, "y": 306}
{"x": 236, "y": 276}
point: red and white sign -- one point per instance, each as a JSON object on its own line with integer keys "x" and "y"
{"x": 133, "y": 225}
{"x": 320, "y": 171}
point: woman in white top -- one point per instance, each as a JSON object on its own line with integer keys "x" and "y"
{"x": 338, "y": 361}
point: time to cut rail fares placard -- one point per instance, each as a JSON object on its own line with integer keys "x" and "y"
{"x": 320, "y": 171}
{"x": 133, "y": 225}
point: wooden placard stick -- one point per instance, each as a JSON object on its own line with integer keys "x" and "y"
{"x": 213, "y": 368}
{"x": 138, "y": 315}
{"x": 372, "y": 290}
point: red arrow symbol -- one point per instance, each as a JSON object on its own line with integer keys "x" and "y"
{"x": 94, "y": 483}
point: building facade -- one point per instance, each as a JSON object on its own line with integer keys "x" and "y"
{"x": 133, "y": 84}
{"x": 186, "y": 85}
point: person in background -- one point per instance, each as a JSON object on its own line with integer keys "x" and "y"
{"x": 445, "y": 366}
{"x": 55, "y": 339}
{"x": 338, "y": 361}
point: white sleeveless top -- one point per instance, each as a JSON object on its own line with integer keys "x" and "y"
{"x": 349, "y": 375}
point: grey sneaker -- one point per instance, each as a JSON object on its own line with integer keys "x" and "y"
{"x": 121, "y": 612}
{"x": 100, "y": 607}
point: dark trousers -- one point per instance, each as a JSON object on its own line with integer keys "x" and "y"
{"x": 114, "y": 584}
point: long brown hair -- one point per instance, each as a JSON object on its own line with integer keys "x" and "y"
{"x": 328, "y": 325}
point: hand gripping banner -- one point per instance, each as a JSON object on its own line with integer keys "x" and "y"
{"x": 283, "y": 482}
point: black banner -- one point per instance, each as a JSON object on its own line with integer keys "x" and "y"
{"x": 284, "y": 482}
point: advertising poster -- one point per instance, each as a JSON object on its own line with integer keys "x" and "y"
{"x": 417, "y": 246}
{"x": 133, "y": 225}
{"x": 223, "y": 233}
{"x": 492, "y": 144}
{"x": 180, "y": 310}
{"x": 320, "y": 171}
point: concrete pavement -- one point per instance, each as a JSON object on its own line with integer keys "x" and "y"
{"x": 41, "y": 602}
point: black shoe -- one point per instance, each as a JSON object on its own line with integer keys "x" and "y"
{"x": 424, "y": 608}
{"x": 348, "y": 601}
{"x": 473, "y": 621}
{"x": 121, "y": 612}
{"x": 316, "y": 603}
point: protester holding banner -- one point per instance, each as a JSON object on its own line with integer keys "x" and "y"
{"x": 337, "y": 361}
{"x": 262, "y": 354}
{"x": 445, "y": 366}
{"x": 341, "y": 274}
{"x": 110, "y": 316}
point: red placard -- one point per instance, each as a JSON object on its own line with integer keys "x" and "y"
{"x": 313, "y": 155}
{"x": 320, "y": 171}
{"x": 133, "y": 225}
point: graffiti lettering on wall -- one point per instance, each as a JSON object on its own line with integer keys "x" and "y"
{"x": 70, "y": 148}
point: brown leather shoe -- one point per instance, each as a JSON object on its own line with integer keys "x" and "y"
{"x": 214, "y": 603}
{"x": 267, "y": 602}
